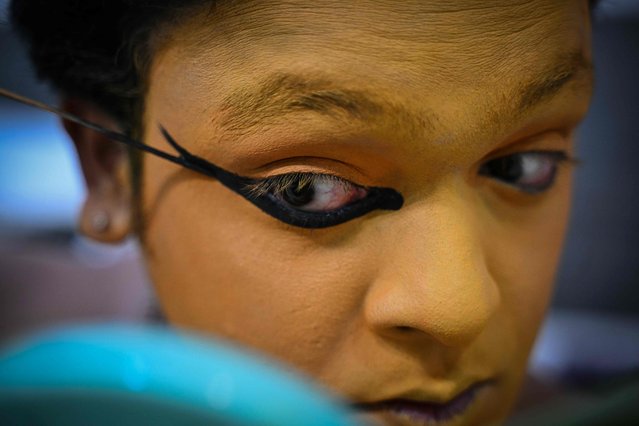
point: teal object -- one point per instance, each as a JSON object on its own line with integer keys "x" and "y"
{"x": 137, "y": 375}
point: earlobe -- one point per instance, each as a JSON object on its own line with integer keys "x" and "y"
{"x": 106, "y": 214}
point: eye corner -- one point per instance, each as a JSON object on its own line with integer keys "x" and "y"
{"x": 389, "y": 199}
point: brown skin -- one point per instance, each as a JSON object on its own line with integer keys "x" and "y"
{"x": 418, "y": 303}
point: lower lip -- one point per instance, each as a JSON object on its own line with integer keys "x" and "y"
{"x": 404, "y": 411}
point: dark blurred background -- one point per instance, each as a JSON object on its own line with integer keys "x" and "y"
{"x": 50, "y": 275}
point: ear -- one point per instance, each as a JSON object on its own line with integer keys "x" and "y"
{"x": 106, "y": 214}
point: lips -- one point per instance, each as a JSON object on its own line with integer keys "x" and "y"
{"x": 412, "y": 411}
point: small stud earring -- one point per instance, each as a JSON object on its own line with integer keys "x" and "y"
{"x": 100, "y": 221}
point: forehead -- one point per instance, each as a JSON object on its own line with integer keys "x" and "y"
{"x": 448, "y": 56}
{"x": 416, "y": 36}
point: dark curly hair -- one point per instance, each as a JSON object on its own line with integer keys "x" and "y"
{"x": 100, "y": 50}
{"x": 96, "y": 49}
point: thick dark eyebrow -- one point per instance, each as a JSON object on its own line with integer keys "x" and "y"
{"x": 569, "y": 68}
{"x": 284, "y": 93}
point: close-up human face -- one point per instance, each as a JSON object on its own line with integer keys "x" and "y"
{"x": 419, "y": 314}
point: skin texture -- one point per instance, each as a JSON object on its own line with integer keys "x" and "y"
{"x": 418, "y": 303}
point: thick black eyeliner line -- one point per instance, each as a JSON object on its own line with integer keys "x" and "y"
{"x": 384, "y": 198}
{"x": 379, "y": 198}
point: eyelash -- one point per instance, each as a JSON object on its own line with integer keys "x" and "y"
{"x": 280, "y": 183}
{"x": 267, "y": 195}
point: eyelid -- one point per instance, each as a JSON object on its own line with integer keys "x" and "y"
{"x": 319, "y": 166}
{"x": 560, "y": 154}
{"x": 280, "y": 182}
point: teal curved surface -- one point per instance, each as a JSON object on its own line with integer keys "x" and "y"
{"x": 115, "y": 374}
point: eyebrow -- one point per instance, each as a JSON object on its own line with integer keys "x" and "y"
{"x": 569, "y": 68}
{"x": 281, "y": 94}
{"x": 284, "y": 93}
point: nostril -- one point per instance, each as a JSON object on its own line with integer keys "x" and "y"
{"x": 404, "y": 329}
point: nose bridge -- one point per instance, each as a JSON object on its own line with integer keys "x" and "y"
{"x": 435, "y": 279}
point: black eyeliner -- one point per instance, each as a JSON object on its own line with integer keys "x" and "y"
{"x": 378, "y": 198}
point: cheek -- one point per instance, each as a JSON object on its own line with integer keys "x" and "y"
{"x": 524, "y": 253}
{"x": 220, "y": 266}
{"x": 538, "y": 264}
{"x": 522, "y": 247}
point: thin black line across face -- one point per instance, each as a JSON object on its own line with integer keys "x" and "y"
{"x": 282, "y": 203}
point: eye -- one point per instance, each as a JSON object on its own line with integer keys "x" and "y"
{"x": 531, "y": 171}
{"x": 319, "y": 193}
{"x": 306, "y": 200}
{"x": 312, "y": 200}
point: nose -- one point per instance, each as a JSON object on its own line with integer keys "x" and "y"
{"x": 434, "y": 280}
